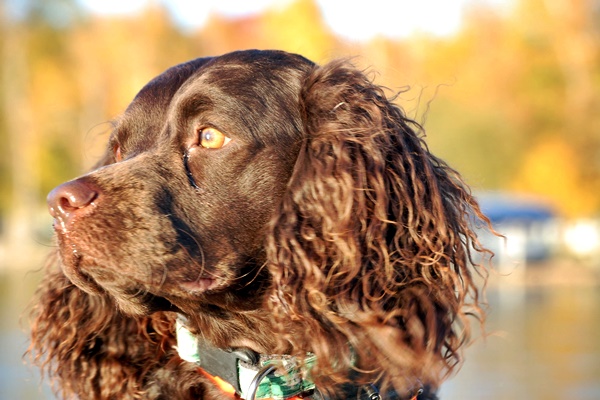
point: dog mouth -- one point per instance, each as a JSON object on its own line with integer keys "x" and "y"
{"x": 137, "y": 299}
{"x": 133, "y": 301}
{"x": 143, "y": 289}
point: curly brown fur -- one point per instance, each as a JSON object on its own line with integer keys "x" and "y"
{"x": 325, "y": 225}
{"x": 91, "y": 350}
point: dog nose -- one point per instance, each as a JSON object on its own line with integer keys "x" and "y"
{"x": 70, "y": 197}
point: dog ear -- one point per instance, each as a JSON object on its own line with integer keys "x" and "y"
{"x": 87, "y": 347}
{"x": 370, "y": 249}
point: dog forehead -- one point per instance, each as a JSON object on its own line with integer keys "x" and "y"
{"x": 145, "y": 117}
{"x": 157, "y": 94}
{"x": 249, "y": 76}
{"x": 251, "y": 94}
{"x": 230, "y": 71}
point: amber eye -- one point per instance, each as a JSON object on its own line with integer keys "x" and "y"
{"x": 212, "y": 138}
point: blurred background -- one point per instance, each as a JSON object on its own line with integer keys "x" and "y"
{"x": 508, "y": 93}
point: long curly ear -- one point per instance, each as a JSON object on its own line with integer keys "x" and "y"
{"x": 88, "y": 348}
{"x": 370, "y": 249}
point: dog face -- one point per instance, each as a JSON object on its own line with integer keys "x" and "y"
{"x": 176, "y": 214}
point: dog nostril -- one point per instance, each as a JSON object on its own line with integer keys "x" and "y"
{"x": 70, "y": 197}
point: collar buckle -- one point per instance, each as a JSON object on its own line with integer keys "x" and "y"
{"x": 225, "y": 363}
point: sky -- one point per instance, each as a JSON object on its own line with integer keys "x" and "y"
{"x": 354, "y": 20}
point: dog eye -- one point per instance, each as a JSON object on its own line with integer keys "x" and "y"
{"x": 212, "y": 138}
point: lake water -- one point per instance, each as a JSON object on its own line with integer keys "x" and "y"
{"x": 544, "y": 344}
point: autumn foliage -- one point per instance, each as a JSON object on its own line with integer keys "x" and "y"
{"x": 512, "y": 100}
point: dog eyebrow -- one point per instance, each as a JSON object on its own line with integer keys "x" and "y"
{"x": 191, "y": 103}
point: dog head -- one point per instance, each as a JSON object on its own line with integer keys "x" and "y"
{"x": 177, "y": 210}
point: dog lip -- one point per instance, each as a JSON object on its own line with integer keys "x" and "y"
{"x": 200, "y": 285}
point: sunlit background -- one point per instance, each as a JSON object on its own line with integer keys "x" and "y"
{"x": 508, "y": 93}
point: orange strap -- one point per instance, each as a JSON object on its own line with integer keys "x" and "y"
{"x": 220, "y": 383}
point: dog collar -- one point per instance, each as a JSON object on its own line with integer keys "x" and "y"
{"x": 250, "y": 375}
{"x": 255, "y": 376}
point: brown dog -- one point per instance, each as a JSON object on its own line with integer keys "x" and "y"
{"x": 288, "y": 213}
